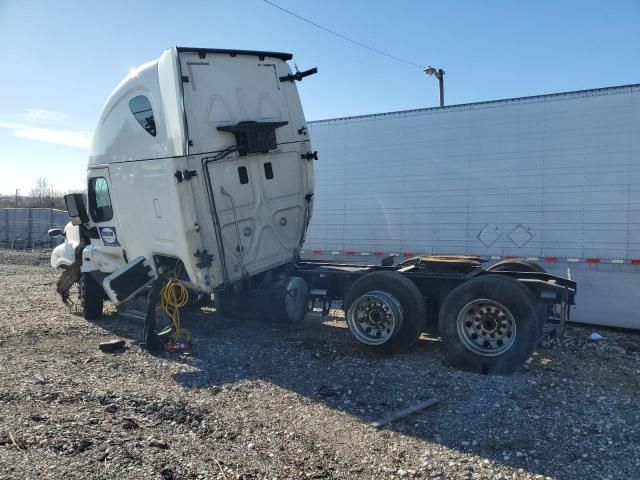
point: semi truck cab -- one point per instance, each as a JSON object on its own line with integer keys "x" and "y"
{"x": 201, "y": 160}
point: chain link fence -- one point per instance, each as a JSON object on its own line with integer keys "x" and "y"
{"x": 27, "y": 227}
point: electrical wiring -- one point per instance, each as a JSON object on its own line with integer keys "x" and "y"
{"x": 344, "y": 37}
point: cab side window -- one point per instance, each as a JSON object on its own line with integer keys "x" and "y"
{"x": 141, "y": 109}
{"x": 99, "y": 200}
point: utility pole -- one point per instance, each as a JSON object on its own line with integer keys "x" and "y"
{"x": 439, "y": 74}
{"x": 17, "y": 192}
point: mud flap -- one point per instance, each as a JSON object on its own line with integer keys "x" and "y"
{"x": 128, "y": 281}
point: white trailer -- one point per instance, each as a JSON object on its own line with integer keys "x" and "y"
{"x": 550, "y": 178}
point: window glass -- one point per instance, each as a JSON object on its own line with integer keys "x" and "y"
{"x": 141, "y": 109}
{"x": 99, "y": 200}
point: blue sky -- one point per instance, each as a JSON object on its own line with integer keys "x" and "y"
{"x": 61, "y": 59}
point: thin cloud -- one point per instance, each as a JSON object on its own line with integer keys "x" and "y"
{"x": 40, "y": 115}
{"x": 51, "y": 135}
{"x": 33, "y": 127}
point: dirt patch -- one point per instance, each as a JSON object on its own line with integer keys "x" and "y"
{"x": 273, "y": 401}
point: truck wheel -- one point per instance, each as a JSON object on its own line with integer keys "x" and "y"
{"x": 92, "y": 297}
{"x": 197, "y": 300}
{"x": 490, "y": 324}
{"x": 385, "y": 311}
{"x": 225, "y": 303}
{"x": 520, "y": 265}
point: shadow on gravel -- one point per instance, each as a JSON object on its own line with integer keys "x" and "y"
{"x": 482, "y": 415}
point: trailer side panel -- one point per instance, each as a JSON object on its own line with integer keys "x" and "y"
{"x": 554, "y": 178}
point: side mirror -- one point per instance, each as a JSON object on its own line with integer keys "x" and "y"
{"x": 77, "y": 210}
{"x": 56, "y": 232}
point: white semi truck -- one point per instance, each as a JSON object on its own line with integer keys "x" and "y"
{"x": 201, "y": 173}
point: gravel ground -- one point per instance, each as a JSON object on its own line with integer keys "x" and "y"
{"x": 257, "y": 401}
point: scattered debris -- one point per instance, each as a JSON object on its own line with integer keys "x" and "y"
{"x": 327, "y": 391}
{"x": 129, "y": 423}
{"x": 111, "y": 345}
{"x": 158, "y": 444}
{"x": 404, "y": 413}
{"x": 596, "y": 337}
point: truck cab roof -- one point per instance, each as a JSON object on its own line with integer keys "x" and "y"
{"x": 146, "y": 116}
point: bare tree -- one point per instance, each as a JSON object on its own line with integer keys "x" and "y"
{"x": 40, "y": 194}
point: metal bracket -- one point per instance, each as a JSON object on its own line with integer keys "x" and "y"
{"x": 185, "y": 175}
{"x": 298, "y": 75}
{"x": 189, "y": 174}
{"x": 206, "y": 259}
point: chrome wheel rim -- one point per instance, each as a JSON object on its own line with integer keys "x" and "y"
{"x": 374, "y": 317}
{"x": 486, "y": 327}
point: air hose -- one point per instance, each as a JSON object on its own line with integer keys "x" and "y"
{"x": 173, "y": 296}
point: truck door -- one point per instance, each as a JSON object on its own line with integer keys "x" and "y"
{"x": 106, "y": 248}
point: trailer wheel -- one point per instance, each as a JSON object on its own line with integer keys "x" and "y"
{"x": 91, "y": 296}
{"x": 490, "y": 324}
{"x": 385, "y": 311}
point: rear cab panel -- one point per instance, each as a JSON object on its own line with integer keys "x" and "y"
{"x": 259, "y": 202}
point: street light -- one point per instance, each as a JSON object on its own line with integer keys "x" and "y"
{"x": 439, "y": 74}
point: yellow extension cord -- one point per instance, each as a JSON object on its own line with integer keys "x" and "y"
{"x": 173, "y": 297}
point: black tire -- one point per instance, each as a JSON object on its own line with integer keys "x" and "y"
{"x": 522, "y": 315}
{"x": 225, "y": 303}
{"x": 408, "y": 297}
{"x": 522, "y": 265}
{"x": 197, "y": 300}
{"x": 92, "y": 297}
{"x": 516, "y": 265}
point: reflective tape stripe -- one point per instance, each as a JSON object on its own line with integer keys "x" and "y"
{"x": 552, "y": 259}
